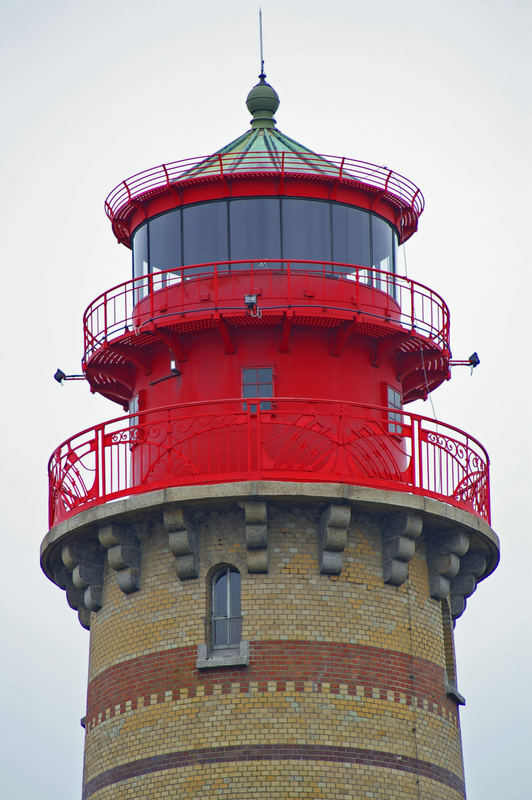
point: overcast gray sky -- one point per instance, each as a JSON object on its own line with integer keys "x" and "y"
{"x": 94, "y": 92}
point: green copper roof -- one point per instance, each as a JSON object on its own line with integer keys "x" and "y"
{"x": 264, "y": 139}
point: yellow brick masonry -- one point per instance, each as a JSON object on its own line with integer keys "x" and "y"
{"x": 291, "y": 602}
{"x": 278, "y": 781}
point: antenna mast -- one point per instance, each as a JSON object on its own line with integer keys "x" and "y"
{"x": 262, "y": 74}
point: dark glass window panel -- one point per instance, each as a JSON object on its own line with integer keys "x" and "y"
{"x": 235, "y": 631}
{"x": 306, "y": 231}
{"x": 350, "y": 236}
{"x": 249, "y": 375}
{"x": 165, "y": 241}
{"x": 205, "y": 235}
{"x": 220, "y": 632}
{"x": 257, "y": 382}
{"x": 395, "y": 245}
{"x": 382, "y": 246}
{"x": 255, "y": 229}
{"x": 220, "y": 596}
{"x": 394, "y": 419}
{"x": 234, "y": 587}
{"x": 140, "y": 252}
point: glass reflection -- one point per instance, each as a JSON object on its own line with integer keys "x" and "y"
{"x": 255, "y": 229}
{"x": 205, "y": 237}
{"x": 306, "y": 231}
{"x": 263, "y": 229}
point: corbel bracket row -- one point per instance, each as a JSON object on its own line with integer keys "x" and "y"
{"x": 334, "y": 523}
{"x": 123, "y": 555}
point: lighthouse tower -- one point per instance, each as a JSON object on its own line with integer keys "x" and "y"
{"x": 268, "y": 548}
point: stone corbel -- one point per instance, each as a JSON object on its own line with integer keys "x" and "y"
{"x": 256, "y": 518}
{"x": 183, "y": 542}
{"x": 398, "y": 535}
{"x": 335, "y": 521}
{"x": 472, "y": 566}
{"x": 443, "y": 558}
{"x": 85, "y": 564}
{"x": 123, "y": 555}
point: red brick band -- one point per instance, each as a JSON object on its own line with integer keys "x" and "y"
{"x": 334, "y": 663}
{"x": 271, "y": 752}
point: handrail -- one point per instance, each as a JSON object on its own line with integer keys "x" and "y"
{"x": 287, "y": 439}
{"x": 396, "y": 187}
{"x": 383, "y": 295}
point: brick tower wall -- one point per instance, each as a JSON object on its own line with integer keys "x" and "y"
{"x": 345, "y": 691}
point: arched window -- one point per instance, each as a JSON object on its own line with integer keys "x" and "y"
{"x": 226, "y": 619}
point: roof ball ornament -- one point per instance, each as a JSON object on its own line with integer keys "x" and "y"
{"x": 262, "y": 102}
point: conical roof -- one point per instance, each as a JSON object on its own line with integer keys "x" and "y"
{"x": 273, "y": 148}
{"x": 264, "y": 150}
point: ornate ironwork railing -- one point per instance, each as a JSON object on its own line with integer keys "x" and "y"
{"x": 276, "y": 439}
{"x": 398, "y": 189}
{"x": 200, "y": 288}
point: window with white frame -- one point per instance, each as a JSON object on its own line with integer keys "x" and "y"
{"x": 226, "y": 617}
{"x": 257, "y": 382}
{"x": 395, "y": 418}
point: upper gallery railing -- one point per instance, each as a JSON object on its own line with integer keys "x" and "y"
{"x": 197, "y": 289}
{"x": 268, "y": 439}
{"x": 395, "y": 187}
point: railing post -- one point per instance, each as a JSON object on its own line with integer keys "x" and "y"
{"x": 100, "y": 477}
{"x": 150, "y": 291}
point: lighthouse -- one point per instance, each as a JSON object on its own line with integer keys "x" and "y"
{"x": 268, "y": 548}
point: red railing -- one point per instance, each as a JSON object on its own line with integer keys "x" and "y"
{"x": 395, "y": 187}
{"x": 202, "y": 288}
{"x": 287, "y": 439}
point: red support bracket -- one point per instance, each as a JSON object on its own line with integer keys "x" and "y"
{"x": 342, "y": 336}
{"x": 172, "y": 340}
{"x": 284, "y": 344}
{"x": 225, "y": 334}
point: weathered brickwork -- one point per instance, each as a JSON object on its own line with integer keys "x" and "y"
{"x": 344, "y": 695}
{"x": 311, "y": 779}
{"x": 332, "y": 668}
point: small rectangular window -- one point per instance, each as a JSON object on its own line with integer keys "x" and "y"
{"x": 395, "y": 419}
{"x": 257, "y": 382}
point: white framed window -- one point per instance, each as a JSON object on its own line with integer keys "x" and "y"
{"x": 395, "y": 418}
{"x": 257, "y": 382}
{"x": 226, "y": 614}
{"x": 225, "y": 647}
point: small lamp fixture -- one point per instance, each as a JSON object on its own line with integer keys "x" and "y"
{"x": 60, "y": 377}
{"x": 250, "y": 301}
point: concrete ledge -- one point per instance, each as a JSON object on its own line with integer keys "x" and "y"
{"x": 452, "y": 692}
{"x": 436, "y": 513}
{"x": 229, "y": 657}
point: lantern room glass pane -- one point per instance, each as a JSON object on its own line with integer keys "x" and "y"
{"x": 165, "y": 241}
{"x": 306, "y": 231}
{"x": 382, "y": 247}
{"x": 350, "y": 236}
{"x": 205, "y": 235}
{"x": 255, "y": 229}
{"x": 140, "y": 251}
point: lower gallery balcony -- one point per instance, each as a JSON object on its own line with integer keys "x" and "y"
{"x": 281, "y": 439}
